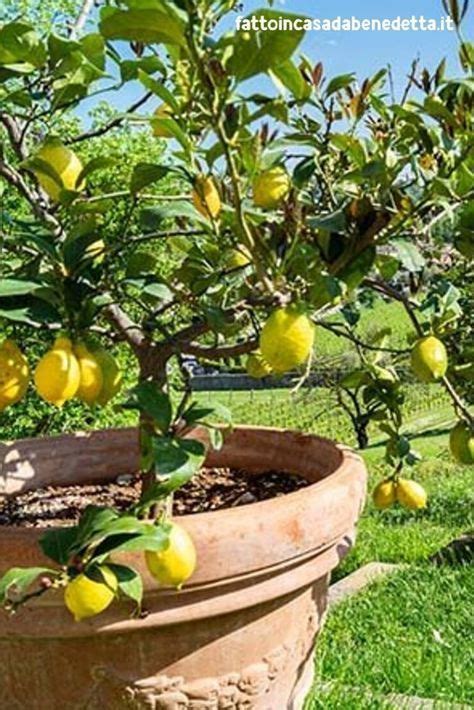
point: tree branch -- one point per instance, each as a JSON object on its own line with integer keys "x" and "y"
{"x": 14, "y": 134}
{"x": 16, "y": 180}
{"x": 127, "y": 329}
{"x": 81, "y": 19}
{"x": 113, "y": 123}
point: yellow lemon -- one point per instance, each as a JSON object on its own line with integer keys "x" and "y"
{"x": 461, "y": 443}
{"x": 160, "y": 131}
{"x": 411, "y": 494}
{"x": 85, "y": 597}
{"x": 206, "y": 197}
{"x": 173, "y": 566}
{"x": 111, "y": 376}
{"x": 14, "y": 374}
{"x": 257, "y": 367}
{"x": 270, "y": 188}
{"x": 429, "y": 359}
{"x": 65, "y": 163}
{"x": 384, "y": 494}
{"x": 92, "y": 380}
{"x": 58, "y": 375}
{"x": 286, "y": 340}
{"x": 238, "y": 258}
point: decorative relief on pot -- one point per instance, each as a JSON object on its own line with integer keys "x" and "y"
{"x": 234, "y": 691}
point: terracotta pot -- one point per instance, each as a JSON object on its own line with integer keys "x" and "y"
{"x": 240, "y": 635}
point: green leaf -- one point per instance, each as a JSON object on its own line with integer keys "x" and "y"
{"x": 195, "y": 413}
{"x": 289, "y": 76}
{"x": 58, "y": 544}
{"x": 176, "y": 462}
{"x": 129, "y": 581}
{"x": 20, "y": 579}
{"x": 145, "y": 174}
{"x": 409, "y": 255}
{"x": 152, "y": 217}
{"x": 177, "y": 457}
{"x": 33, "y": 312}
{"x": 149, "y": 399}
{"x": 339, "y": 82}
{"x": 133, "y": 68}
{"x": 141, "y": 25}
{"x": 334, "y": 222}
{"x": 155, "y": 540}
{"x": 159, "y": 89}
{"x": 358, "y": 269}
{"x": 387, "y": 266}
{"x": 20, "y": 44}
{"x": 17, "y": 287}
{"x": 436, "y": 109}
{"x": 93, "y": 46}
{"x": 257, "y": 52}
{"x": 93, "y": 522}
{"x": 99, "y": 163}
{"x": 354, "y": 380}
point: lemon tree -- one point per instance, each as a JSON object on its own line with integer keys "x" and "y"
{"x": 288, "y": 210}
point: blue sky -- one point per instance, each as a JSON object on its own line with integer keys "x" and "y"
{"x": 361, "y": 52}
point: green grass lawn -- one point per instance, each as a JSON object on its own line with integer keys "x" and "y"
{"x": 409, "y": 634}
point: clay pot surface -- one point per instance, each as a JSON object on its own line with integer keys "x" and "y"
{"x": 239, "y": 635}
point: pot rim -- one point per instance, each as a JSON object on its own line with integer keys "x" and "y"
{"x": 347, "y": 458}
{"x": 262, "y": 550}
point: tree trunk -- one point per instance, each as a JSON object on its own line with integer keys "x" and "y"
{"x": 362, "y": 435}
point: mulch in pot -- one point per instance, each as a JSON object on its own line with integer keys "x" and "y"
{"x": 212, "y": 489}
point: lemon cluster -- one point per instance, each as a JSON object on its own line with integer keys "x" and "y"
{"x": 67, "y": 371}
{"x": 86, "y": 596}
{"x": 408, "y": 493}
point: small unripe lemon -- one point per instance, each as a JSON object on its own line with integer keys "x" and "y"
{"x": 91, "y": 381}
{"x": 85, "y": 597}
{"x": 385, "y": 494}
{"x": 174, "y": 565}
{"x": 286, "y": 340}
{"x": 65, "y": 163}
{"x": 411, "y": 494}
{"x": 57, "y": 375}
{"x": 257, "y": 367}
{"x": 206, "y": 197}
{"x": 160, "y": 131}
{"x": 461, "y": 443}
{"x": 429, "y": 359}
{"x": 14, "y": 374}
{"x": 270, "y": 188}
{"x": 111, "y": 376}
